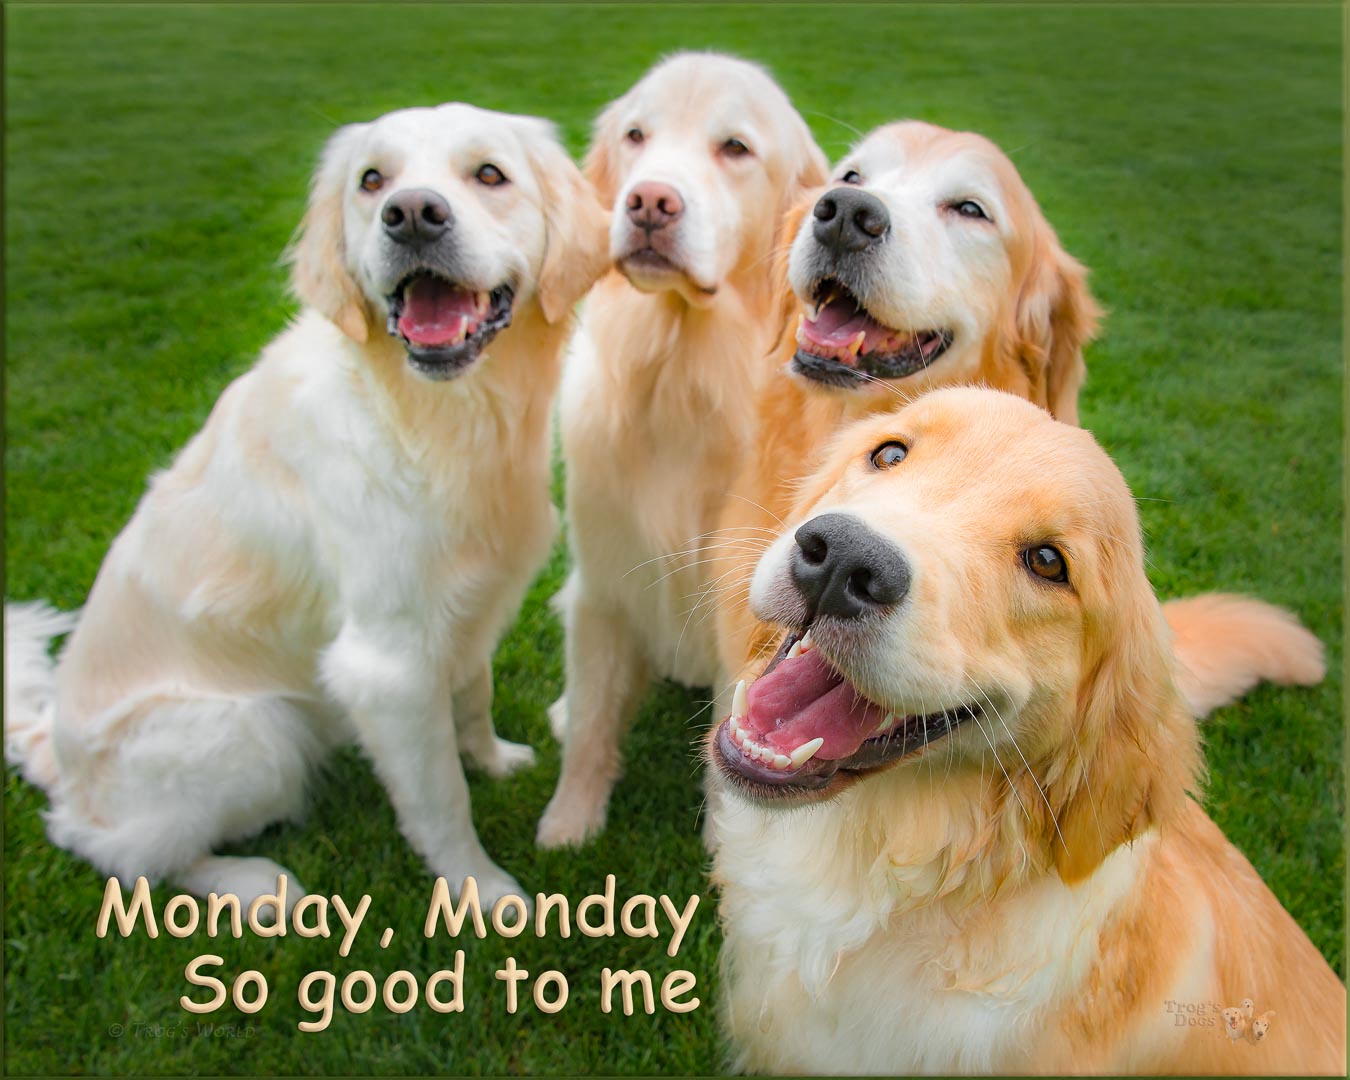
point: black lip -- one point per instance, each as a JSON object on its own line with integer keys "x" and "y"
{"x": 650, "y": 259}
{"x": 448, "y": 362}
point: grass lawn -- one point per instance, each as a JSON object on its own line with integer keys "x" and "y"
{"x": 157, "y": 160}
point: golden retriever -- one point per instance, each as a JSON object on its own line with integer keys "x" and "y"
{"x": 337, "y": 551}
{"x": 700, "y": 161}
{"x": 957, "y": 826}
{"x": 928, "y": 263}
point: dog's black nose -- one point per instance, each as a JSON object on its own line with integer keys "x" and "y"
{"x": 415, "y": 216}
{"x": 849, "y": 220}
{"x": 844, "y": 569}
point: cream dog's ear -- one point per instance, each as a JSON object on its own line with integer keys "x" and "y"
{"x": 577, "y": 240}
{"x": 318, "y": 256}
{"x": 599, "y": 165}
{"x": 1136, "y": 751}
{"x": 784, "y": 305}
{"x": 811, "y": 172}
{"x": 1056, "y": 317}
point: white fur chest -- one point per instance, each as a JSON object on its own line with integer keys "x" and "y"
{"x": 440, "y": 521}
{"x": 832, "y": 965}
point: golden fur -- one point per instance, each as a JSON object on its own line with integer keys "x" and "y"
{"x": 1029, "y": 892}
{"x": 654, "y": 410}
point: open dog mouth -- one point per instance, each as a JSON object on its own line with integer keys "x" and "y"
{"x": 801, "y": 729}
{"x": 445, "y": 326}
{"x": 841, "y": 342}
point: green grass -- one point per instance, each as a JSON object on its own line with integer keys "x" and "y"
{"x": 157, "y": 162}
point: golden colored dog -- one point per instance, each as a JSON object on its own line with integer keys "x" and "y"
{"x": 958, "y": 831}
{"x": 700, "y": 161}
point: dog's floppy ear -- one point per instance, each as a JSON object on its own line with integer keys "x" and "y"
{"x": 1135, "y": 752}
{"x": 318, "y": 257}
{"x": 599, "y": 165}
{"x": 810, "y": 172}
{"x": 576, "y": 249}
{"x": 1056, "y": 317}
{"x": 785, "y": 306}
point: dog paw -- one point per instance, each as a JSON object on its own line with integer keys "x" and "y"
{"x": 568, "y": 824}
{"x": 494, "y": 884}
{"x": 506, "y": 758}
{"x": 557, "y": 718}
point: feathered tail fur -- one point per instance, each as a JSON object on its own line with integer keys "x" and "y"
{"x": 1226, "y": 644}
{"x": 30, "y": 688}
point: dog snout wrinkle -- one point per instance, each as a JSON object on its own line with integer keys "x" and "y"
{"x": 848, "y": 220}
{"x": 417, "y": 216}
{"x": 844, "y": 569}
{"x": 653, "y": 206}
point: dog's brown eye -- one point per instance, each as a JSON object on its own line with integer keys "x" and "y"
{"x": 634, "y": 136}
{"x": 969, "y": 208}
{"x": 735, "y": 148}
{"x": 490, "y": 175}
{"x": 889, "y": 454}
{"x": 851, "y": 177}
{"x": 1046, "y": 562}
{"x": 371, "y": 180}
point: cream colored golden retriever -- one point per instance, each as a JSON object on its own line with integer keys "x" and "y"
{"x": 928, "y": 263}
{"x": 957, "y": 830}
{"x": 337, "y": 551}
{"x": 700, "y": 161}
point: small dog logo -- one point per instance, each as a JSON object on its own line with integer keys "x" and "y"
{"x": 1257, "y": 1031}
{"x": 1239, "y": 1022}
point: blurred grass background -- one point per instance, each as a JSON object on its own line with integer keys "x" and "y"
{"x": 157, "y": 160}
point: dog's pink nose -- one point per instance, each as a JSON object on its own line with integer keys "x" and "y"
{"x": 654, "y": 206}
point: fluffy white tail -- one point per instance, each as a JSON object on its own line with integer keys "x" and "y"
{"x": 30, "y": 688}
{"x": 1226, "y": 644}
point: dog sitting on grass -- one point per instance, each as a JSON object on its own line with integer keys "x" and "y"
{"x": 336, "y": 553}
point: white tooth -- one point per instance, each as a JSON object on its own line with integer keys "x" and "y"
{"x": 750, "y": 748}
{"x": 463, "y": 327}
{"x": 739, "y": 704}
{"x": 739, "y": 735}
{"x": 805, "y": 753}
{"x": 801, "y": 329}
{"x": 795, "y": 651}
{"x": 885, "y": 724}
{"x": 854, "y": 347}
{"x": 806, "y": 641}
{"x": 781, "y": 761}
{"x": 766, "y": 755}
{"x": 481, "y": 302}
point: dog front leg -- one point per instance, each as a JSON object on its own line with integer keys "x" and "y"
{"x": 401, "y": 712}
{"x": 606, "y": 674}
{"x": 479, "y": 742}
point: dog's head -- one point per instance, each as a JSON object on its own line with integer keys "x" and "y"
{"x": 700, "y": 160}
{"x": 437, "y": 223}
{"x": 1232, "y": 1018}
{"x": 1261, "y": 1025}
{"x": 929, "y": 263}
{"x": 965, "y": 578}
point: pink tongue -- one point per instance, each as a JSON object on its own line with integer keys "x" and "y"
{"x": 434, "y": 312}
{"x": 838, "y": 323}
{"x": 803, "y": 699}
